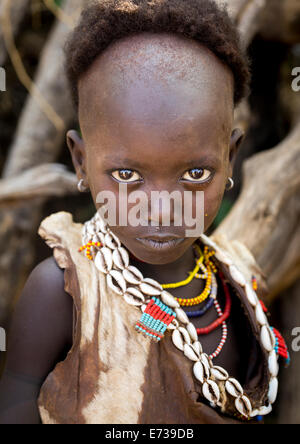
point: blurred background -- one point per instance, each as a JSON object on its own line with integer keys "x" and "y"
{"x": 37, "y": 177}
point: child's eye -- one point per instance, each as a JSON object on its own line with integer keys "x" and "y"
{"x": 197, "y": 175}
{"x": 126, "y": 176}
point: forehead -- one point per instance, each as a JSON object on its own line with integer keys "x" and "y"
{"x": 156, "y": 80}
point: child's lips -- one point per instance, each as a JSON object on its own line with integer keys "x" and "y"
{"x": 165, "y": 242}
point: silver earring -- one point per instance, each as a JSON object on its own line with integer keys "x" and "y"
{"x": 230, "y": 184}
{"x": 81, "y": 187}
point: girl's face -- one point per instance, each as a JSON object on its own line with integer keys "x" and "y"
{"x": 156, "y": 114}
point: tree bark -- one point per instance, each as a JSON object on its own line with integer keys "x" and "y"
{"x": 266, "y": 216}
{"x": 46, "y": 180}
{"x": 281, "y": 22}
{"x": 287, "y": 408}
{"x": 37, "y": 141}
{"x": 19, "y": 8}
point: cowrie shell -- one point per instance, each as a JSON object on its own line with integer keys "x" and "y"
{"x": 134, "y": 297}
{"x": 91, "y": 230}
{"x": 101, "y": 225}
{"x": 273, "y": 390}
{"x": 237, "y": 275}
{"x": 267, "y": 338}
{"x": 197, "y": 348}
{"x": 181, "y": 316}
{"x": 273, "y": 363}
{"x": 132, "y": 275}
{"x": 186, "y": 336}
{"x": 177, "y": 339}
{"x": 198, "y": 371}
{"x": 174, "y": 324}
{"x": 189, "y": 353}
{"x": 120, "y": 258}
{"x": 251, "y": 295}
{"x": 209, "y": 242}
{"x": 103, "y": 260}
{"x": 169, "y": 300}
{"x": 211, "y": 391}
{"x": 116, "y": 281}
{"x": 264, "y": 410}
{"x": 234, "y": 388}
{"x": 192, "y": 331}
{"x": 219, "y": 373}
{"x": 206, "y": 366}
{"x": 150, "y": 287}
{"x": 243, "y": 405}
{"x": 223, "y": 257}
{"x": 111, "y": 241}
{"x": 260, "y": 315}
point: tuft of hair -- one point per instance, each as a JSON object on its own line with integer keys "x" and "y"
{"x": 105, "y": 21}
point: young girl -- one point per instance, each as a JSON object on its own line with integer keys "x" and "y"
{"x": 144, "y": 324}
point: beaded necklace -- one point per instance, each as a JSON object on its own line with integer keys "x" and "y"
{"x": 112, "y": 259}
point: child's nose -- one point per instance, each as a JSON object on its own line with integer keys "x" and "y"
{"x": 163, "y": 207}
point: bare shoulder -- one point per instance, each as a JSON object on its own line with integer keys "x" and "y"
{"x": 39, "y": 336}
{"x": 41, "y": 328}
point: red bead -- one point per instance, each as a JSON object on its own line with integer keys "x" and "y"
{"x": 220, "y": 320}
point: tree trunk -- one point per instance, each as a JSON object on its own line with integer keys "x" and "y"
{"x": 287, "y": 408}
{"x": 18, "y": 10}
{"x": 266, "y": 216}
{"x": 37, "y": 141}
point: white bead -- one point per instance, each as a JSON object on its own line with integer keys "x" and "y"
{"x": 264, "y": 410}
{"x": 273, "y": 390}
{"x": 260, "y": 315}
{"x": 273, "y": 363}
{"x": 209, "y": 242}
{"x": 251, "y": 295}
{"x": 237, "y": 275}
{"x": 223, "y": 257}
{"x": 267, "y": 338}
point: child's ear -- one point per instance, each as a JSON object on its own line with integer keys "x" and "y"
{"x": 237, "y": 137}
{"x": 78, "y": 153}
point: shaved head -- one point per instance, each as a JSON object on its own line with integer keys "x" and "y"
{"x": 154, "y": 77}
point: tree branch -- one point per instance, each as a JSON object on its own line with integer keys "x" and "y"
{"x": 42, "y": 181}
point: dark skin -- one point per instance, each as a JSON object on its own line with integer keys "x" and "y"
{"x": 159, "y": 107}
